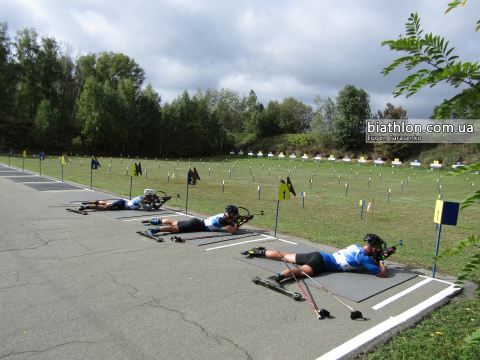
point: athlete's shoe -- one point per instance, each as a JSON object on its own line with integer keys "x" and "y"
{"x": 153, "y": 231}
{"x": 156, "y": 221}
{"x": 274, "y": 280}
{"x": 81, "y": 208}
{"x": 255, "y": 252}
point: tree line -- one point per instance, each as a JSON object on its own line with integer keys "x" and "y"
{"x": 53, "y": 101}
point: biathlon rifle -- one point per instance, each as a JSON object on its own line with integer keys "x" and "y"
{"x": 384, "y": 253}
{"x": 242, "y": 217}
{"x": 159, "y": 201}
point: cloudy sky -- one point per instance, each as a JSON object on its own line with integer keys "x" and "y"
{"x": 277, "y": 48}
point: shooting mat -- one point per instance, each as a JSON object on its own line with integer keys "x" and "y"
{"x": 241, "y": 233}
{"x": 13, "y": 172}
{"x": 52, "y": 186}
{"x": 84, "y": 196}
{"x": 357, "y": 286}
{"x": 22, "y": 179}
{"x": 6, "y": 168}
{"x": 123, "y": 214}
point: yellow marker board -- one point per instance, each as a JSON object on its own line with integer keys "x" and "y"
{"x": 446, "y": 212}
{"x": 283, "y": 192}
{"x": 24, "y": 154}
{"x": 64, "y": 162}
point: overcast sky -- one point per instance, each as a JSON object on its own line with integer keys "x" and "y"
{"x": 277, "y": 48}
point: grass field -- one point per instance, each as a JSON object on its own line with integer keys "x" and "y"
{"x": 329, "y": 216}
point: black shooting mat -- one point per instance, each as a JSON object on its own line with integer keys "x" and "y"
{"x": 219, "y": 236}
{"x": 84, "y": 196}
{"x": 51, "y": 186}
{"x": 22, "y": 179}
{"x": 123, "y": 214}
{"x": 357, "y": 285}
{"x": 6, "y": 168}
{"x": 13, "y": 172}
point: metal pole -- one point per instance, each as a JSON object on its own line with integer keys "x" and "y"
{"x": 131, "y": 183}
{"x": 276, "y": 219}
{"x": 186, "y": 204}
{"x": 436, "y": 250}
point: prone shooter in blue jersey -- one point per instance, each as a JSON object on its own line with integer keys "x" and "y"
{"x": 146, "y": 202}
{"x": 217, "y": 222}
{"x": 314, "y": 263}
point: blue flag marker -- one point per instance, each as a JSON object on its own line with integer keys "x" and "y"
{"x": 446, "y": 213}
{"x": 362, "y": 204}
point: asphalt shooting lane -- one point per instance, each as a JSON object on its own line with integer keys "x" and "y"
{"x": 76, "y": 286}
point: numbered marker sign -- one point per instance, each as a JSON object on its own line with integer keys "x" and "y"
{"x": 446, "y": 212}
{"x": 283, "y": 192}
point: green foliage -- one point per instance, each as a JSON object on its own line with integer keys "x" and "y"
{"x": 8, "y": 74}
{"x": 268, "y": 121}
{"x": 295, "y": 116}
{"x": 392, "y": 151}
{"x": 434, "y": 51}
{"x": 302, "y": 140}
{"x": 46, "y": 122}
{"x": 471, "y": 265}
{"x": 353, "y": 108}
{"x": 474, "y": 262}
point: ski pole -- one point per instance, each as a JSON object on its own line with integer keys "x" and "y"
{"x": 204, "y": 237}
{"x": 354, "y": 314}
{"x": 316, "y": 311}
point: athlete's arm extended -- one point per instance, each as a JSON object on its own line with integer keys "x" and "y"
{"x": 144, "y": 205}
{"x": 230, "y": 225}
{"x": 383, "y": 270}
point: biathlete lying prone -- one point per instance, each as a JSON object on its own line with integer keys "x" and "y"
{"x": 146, "y": 202}
{"x": 213, "y": 223}
{"x": 314, "y": 263}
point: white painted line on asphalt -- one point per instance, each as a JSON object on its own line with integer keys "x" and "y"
{"x": 400, "y": 294}
{"x": 442, "y": 281}
{"x": 383, "y": 327}
{"x": 158, "y": 214}
{"x": 240, "y": 243}
{"x": 272, "y": 237}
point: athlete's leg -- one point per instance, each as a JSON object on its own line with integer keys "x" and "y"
{"x": 169, "y": 222}
{"x": 171, "y": 229}
{"x": 274, "y": 254}
{"x": 307, "y": 269}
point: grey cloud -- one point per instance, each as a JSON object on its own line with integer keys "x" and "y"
{"x": 277, "y": 48}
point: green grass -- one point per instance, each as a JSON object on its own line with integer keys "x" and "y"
{"x": 329, "y": 216}
{"x": 438, "y": 336}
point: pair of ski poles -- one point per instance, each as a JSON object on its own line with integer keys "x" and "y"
{"x": 354, "y": 314}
